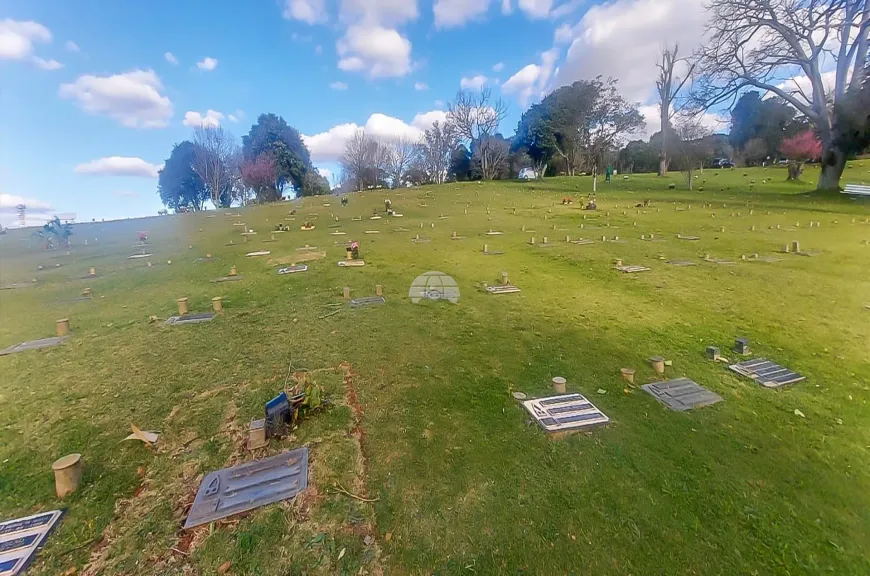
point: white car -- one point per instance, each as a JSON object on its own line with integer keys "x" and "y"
{"x": 528, "y": 174}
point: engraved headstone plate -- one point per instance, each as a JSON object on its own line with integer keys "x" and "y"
{"x": 768, "y": 374}
{"x": 33, "y": 345}
{"x": 565, "y": 412}
{"x": 21, "y": 538}
{"x": 190, "y": 319}
{"x": 248, "y": 486}
{"x": 681, "y": 394}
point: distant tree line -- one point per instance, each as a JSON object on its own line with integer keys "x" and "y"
{"x": 212, "y": 167}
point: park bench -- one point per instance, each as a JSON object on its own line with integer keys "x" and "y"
{"x": 857, "y": 190}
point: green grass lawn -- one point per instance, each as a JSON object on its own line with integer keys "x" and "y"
{"x": 461, "y": 482}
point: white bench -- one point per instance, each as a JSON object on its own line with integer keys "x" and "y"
{"x": 857, "y": 190}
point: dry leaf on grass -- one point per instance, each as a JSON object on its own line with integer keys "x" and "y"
{"x": 148, "y": 437}
{"x": 222, "y": 569}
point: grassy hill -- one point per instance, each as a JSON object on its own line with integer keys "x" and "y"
{"x": 452, "y": 478}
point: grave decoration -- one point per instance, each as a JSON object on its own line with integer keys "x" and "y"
{"x": 306, "y": 226}
{"x": 21, "y": 539}
{"x": 434, "y": 285}
{"x": 565, "y": 413}
{"x": 248, "y": 486}
{"x": 681, "y": 394}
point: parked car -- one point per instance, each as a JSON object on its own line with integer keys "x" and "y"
{"x": 528, "y": 174}
{"x": 722, "y": 163}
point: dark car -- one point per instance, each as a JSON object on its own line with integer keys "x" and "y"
{"x": 722, "y": 163}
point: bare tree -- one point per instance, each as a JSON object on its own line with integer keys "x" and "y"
{"x": 692, "y": 149}
{"x": 215, "y": 151}
{"x": 476, "y": 117}
{"x": 753, "y": 43}
{"x": 378, "y": 157}
{"x": 401, "y": 154}
{"x": 668, "y": 86}
{"x": 435, "y": 148}
{"x": 356, "y": 158}
{"x": 490, "y": 152}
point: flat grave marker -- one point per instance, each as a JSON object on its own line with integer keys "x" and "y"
{"x": 33, "y": 345}
{"x": 248, "y": 486}
{"x": 190, "y": 319}
{"x": 368, "y": 301}
{"x": 21, "y": 538}
{"x": 768, "y": 374}
{"x": 565, "y": 413}
{"x": 631, "y": 269}
{"x": 681, "y": 394}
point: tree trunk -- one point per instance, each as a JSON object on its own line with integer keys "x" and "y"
{"x": 665, "y": 124}
{"x": 794, "y": 170}
{"x": 833, "y": 163}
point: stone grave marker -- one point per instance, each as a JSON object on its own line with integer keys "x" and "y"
{"x": 681, "y": 394}
{"x": 565, "y": 413}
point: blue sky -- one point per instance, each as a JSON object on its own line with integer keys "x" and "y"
{"x": 91, "y": 103}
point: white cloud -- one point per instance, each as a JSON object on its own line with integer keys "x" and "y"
{"x": 439, "y": 103}
{"x": 473, "y": 83}
{"x": 208, "y": 64}
{"x": 326, "y": 173}
{"x": 506, "y": 7}
{"x": 17, "y": 38}
{"x": 47, "y": 64}
{"x": 10, "y": 201}
{"x": 72, "y": 46}
{"x": 212, "y": 119}
{"x": 535, "y": 9}
{"x": 801, "y": 88}
{"x": 308, "y": 11}
{"x": 36, "y": 211}
{"x": 652, "y": 118}
{"x": 119, "y": 166}
{"x": 170, "y": 57}
{"x": 532, "y": 81}
{"x": 376, "y": 51}
{"x": 318, "y": 49}
{"x": 133, "y": 99}
{"x": 420, "y": 86}
{"x": 709, "y": 120}
{"x": 450, "y": 13}
{"x": 329, "y": 146}
{"x": 498, "y": 67}
{"x": 381, "y": 12}
{"x": 564, "y": 34}
{"x": 338, "y": 86}
{"x": 424, "y": 120}
{"x": 565, "y": 8}
{"x": 621, "y": 39}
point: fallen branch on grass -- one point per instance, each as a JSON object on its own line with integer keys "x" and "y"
{"x": 340, "y": 489}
